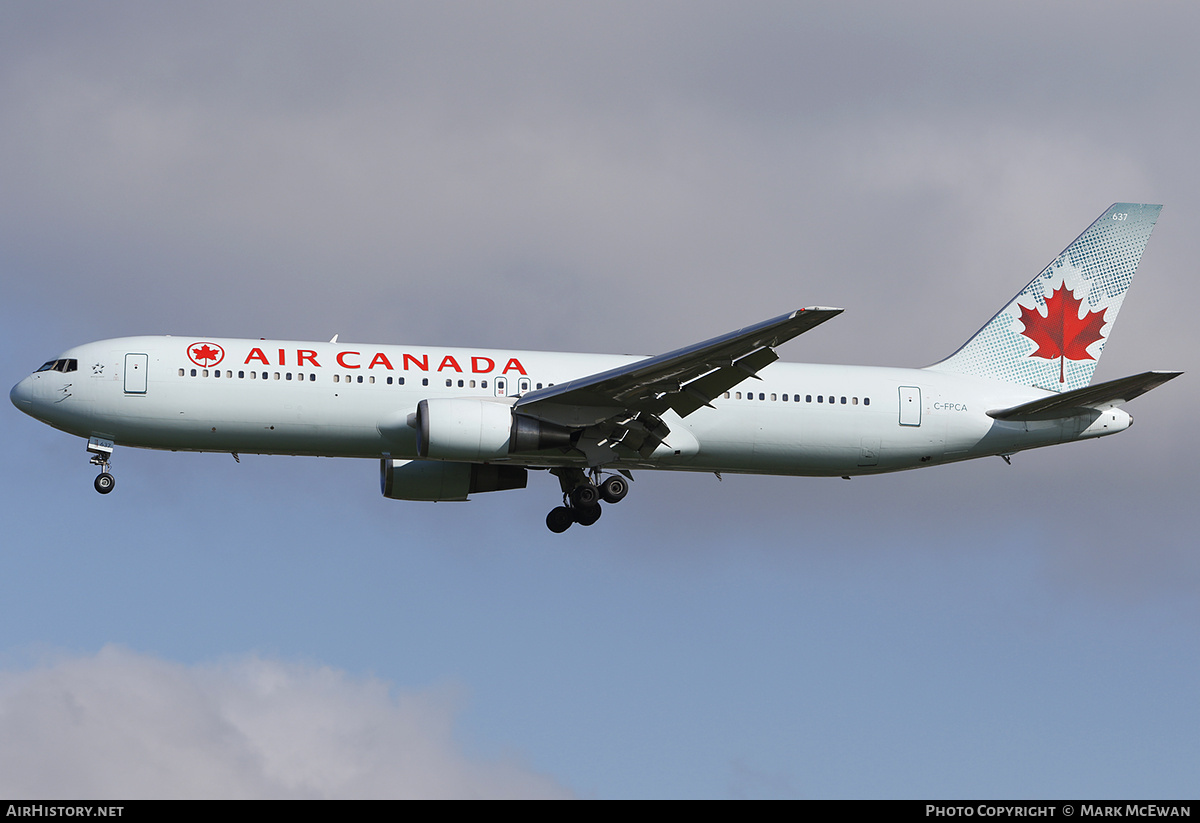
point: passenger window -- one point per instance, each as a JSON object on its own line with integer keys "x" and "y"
{"x": 866, "y": 401}
{"x": 449, "y": 382}
{"x": 360, "y": 378}
{"x": 372, "y": 379}
{"x": 424, "y": 381}
{"x": 483, "y": 384}
{"x": 181, "y": 372}
{"x": 773, "y": 395}
{"x": 241, "y": 375}
{"x": 739, "y": 395}
{"x": 216, "y": 372}
{"x": 276, "y": 375}
{"x": 337, "y": 378}
{"x": 853, "y": 401}
{"x": 400, "y": 380}
{"x": 289, "y": 375}
{"x": 843, "y": 401}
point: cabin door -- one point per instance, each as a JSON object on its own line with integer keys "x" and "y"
{"x": 135, "y": 373}
{"x": 910, "y": 406}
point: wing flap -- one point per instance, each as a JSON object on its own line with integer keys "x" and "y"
{"x": 1100, "y": 397}
{"x": 703, "y": 390}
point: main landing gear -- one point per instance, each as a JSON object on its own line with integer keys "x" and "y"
{"x": 100, "y": 451}
{"x": 582, "y": 497}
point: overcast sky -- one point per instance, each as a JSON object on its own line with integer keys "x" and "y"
{"x": 621, "y": 177}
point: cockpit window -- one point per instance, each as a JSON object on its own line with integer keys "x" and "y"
{"x": 63, "y": 365}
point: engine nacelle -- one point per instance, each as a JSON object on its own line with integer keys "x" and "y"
{"x": 432, "y": 480}
{"x": 452, "y": 428}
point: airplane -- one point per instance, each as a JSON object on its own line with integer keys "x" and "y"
{"x": 446, "y": 423}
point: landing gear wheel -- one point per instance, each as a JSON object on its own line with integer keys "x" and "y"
{"x": 559, "y": 519}
{"x": 105, "y": 482}
{"x": 585, "y": 496}
{"x": 588, "y": 516}
{"x": 614, "y": 489}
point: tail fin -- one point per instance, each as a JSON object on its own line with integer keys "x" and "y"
{"x": 1052, "y": 333}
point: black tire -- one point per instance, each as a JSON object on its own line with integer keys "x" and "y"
{"x": 614, "y": 489}
{"x": 559, "y": 519}
{"x": 105, "y": 483}
{"x": 588, "y": 516}
{"x": 585, "y": 496}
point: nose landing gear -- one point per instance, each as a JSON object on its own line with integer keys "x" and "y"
{"x": 100, "y": 450}
{"x": 105, "y": 482}
{"x": 582, "y": 497}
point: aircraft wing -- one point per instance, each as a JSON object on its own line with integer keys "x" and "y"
{"x": 1099, "y": 397}
{"x": 627, "y": 401}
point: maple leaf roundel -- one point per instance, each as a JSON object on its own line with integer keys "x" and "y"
{"x": 1062, "y": 333}
{"x": 205, "y": 354}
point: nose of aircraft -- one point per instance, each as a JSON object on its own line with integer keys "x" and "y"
{"x": 22, "y": 395}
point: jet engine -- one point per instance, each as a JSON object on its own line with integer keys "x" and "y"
{"x": 453, "y": 428}
{"x": 434, "y": 480}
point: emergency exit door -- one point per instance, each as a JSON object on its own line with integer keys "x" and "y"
{"x": 503, "y": 389}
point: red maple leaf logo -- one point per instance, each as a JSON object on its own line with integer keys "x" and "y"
{"x": 1062, "y": 333}
{"x": 205, "y": 354}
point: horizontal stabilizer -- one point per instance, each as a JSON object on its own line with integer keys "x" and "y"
{"x": 1100, "y": 397}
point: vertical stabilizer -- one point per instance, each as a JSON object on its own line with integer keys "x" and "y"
{"x": 1052, "y": 333}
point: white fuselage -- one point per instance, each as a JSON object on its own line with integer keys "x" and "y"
{"x": 356, "y": 400}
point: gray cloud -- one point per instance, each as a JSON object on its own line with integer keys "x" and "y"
{"x": 122, "y": 724}
{"x": 691, "y": 163}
